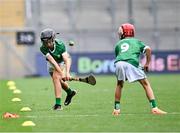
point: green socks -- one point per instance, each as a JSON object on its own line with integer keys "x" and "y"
{"x": 58, "y": 101}
{"x": 153, "y": 103}
{"x": 116, "y": 105}
{"x": 68, "y": 91}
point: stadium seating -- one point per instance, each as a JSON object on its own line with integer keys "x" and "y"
{"x": 94, "y": 17}
{"x": 12, "y": 15}
{"x": 92, "y": 24}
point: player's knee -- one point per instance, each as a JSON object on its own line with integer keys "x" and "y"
{"x": 56, "y": 76}
{"x": 144, "y": 82}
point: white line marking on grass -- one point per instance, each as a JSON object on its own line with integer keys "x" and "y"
{"x": 95, "y": 115}
{"x": 174, "y": 113}
{"x": 31, "y": 116}
{"x": 169, "y": 113}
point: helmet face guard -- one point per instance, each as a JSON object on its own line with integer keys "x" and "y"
{"x": 126, "y": 30}
{"x": 120, "y": 33}
{"x": 47, "y": 41}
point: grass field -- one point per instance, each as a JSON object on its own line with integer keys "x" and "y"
{"x": 91, "y": 108}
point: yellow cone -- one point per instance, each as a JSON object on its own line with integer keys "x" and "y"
{"x": 12, "y": 87}
{"x": 16, "y": 100}
{"x": 16, "y": 91}
{"x": 11, "y": 83}
{"x": 28, "y": 123}
{"x": 25, "y": 109}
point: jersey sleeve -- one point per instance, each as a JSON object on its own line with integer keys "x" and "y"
{"x": 44, "y": 50}
{"x": 142, "y": 47}
{"x": 61, "y": 45}
{"x": 117, "y": 48}
{"x": 63, "y": 48}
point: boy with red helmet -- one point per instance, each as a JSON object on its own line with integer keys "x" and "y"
{"x": 127, "y": 51}
{"x": 126, "y": 30}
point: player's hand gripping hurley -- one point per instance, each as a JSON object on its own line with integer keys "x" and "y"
{"x": 90, "y": 79}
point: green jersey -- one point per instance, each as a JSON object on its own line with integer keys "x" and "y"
{"x": 59, "y": 49}
{"x": 129, "y": 50}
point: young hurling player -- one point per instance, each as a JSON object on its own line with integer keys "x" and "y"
{"x": 57, "y": 59}
{"x": 127, "y": 52}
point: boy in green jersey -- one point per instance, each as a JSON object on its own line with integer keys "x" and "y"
{"x": 127, "y": 51}
{"x": 57, "y": 59}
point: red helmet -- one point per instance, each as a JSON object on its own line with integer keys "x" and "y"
{"x": 126, "y": 30}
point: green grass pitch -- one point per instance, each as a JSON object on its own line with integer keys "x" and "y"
{"x": 91, "y": 108}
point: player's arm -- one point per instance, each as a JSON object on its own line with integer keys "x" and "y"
{"x": 67, "y": 61}
{"x": 55, "y": 64}
{"x": 116, "y": 50}
{"x": 148, "y": 58}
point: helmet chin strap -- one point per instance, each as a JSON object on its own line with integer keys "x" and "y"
{"x": 122, "y": 37}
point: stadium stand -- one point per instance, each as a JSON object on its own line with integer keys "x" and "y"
{"x": 12, "y": 15}
{"x": 92, "y": 24}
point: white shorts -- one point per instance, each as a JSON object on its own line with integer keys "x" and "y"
{"x": 126, "y": 71}
{"x": 50, "y": 67}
